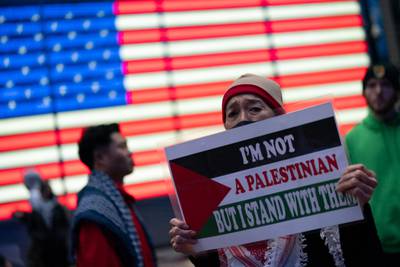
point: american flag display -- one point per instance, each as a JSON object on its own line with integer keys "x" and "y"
{"x": 159, "y": 68}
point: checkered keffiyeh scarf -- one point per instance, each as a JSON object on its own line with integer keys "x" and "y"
{"x": 101, "y": 202}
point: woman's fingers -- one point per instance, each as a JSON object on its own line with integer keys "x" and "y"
{"x": 357, "y": 181}
{"x": 175, "y": 231}
{"x": 355, "y": 174}
{"x": 178, "y": 223}
{"x": 182, "y": 238}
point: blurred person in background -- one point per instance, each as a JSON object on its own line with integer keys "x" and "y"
{"x": 253, "y": 98}
{"x": 4, "y": 262}
{"x": 47, "y": 225}
{"x": 375, "y": 142}
{"x": 107, "y": 230}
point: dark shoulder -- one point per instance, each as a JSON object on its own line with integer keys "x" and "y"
{"x": 207, "y": 259}
{"x": 360, "y": 243}
{"x": 317, "y": 252}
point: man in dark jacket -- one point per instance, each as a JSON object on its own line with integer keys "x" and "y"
{"x": 107, "y": 230}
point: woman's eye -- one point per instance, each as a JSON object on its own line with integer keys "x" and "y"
{"x": 232, "y": 114}
{"x": 255, "y": 109}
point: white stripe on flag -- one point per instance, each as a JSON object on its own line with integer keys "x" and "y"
{"x": 242, "y": 43}
{"x": 135, "y": 144}
{"x": 316, "y": 37}
{"x": 308, "y": 65}
{"x": 141, "y": 51}
{"x": 114, "y": 114}
{"x": 146, "y": 80}
{"x": 303, "y": 11}
{"x": 210, "y": 17}
{"x": 199, "y": 75}
{"x": 231, "y": 72}
{"x": 26, "y": 124}
{"x": 28, "y": 157}
{"x": 330, "y": 90}
{"x": 217, "y": 45}
{"x": 348, "y": 116}
{"x": 49, "y": 154}
{"x": 74, "y": 184}
{"x": 199, "y": 105}
{"x": 136, "y": 22}
{"x": 43, "y": 155}
{"x": 234, "y": 15}
{"x": 199, "y": 132}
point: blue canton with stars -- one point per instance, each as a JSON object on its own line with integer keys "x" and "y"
{"x": 59, "y": 57}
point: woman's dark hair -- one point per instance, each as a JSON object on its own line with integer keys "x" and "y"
{"x": 93, "y": 138}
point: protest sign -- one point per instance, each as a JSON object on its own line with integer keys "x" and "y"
{"x": 271, "y": 178}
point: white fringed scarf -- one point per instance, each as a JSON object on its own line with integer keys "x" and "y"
{"x": 285, "y": 251}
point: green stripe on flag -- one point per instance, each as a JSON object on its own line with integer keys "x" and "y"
{"x": 276, "y": 208}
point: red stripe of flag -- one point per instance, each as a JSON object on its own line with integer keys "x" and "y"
{"x": 144, "y": 65}
{"x": 176, "y": 5}
{"x": 143, "y": 6}
{"x": 149, "y": 95}
{"x": 330, "y": 49}
{"x": 339, "y": 103}
{"x": 345, "y": 128}
{"x": 27, "y": 140}
{"x": 16, "y": 142}
{"x": 150, "y": 189}
{"x": 316, "y": 23}
{"x": 166, "y": 124}
{"x": 238, "y": 29}
{"x": 134, "y": 7}
{"x": 52, "y": 170}
{"x": 72, "y": 135}
{"x": 139, "y": 36}
{"x": 321, "y": 77}
{"x": 215, "y": 89}
{"x": 178, "y": 92}
{"x": 140, "y": 191}
{"x": 298, "y": 2}
{"x": 73, "y": 167}
{"x": 198, "y": 61}
{"x": 191, "y": 32}
{"x": 130, "y": 128}
{"x": 242, "y": 57}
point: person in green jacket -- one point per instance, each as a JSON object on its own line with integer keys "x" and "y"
{"x": 375, "y": 142}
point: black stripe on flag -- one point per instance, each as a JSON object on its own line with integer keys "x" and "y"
{"x": 308, "y": 138}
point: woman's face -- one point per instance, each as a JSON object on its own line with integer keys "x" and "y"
{"x": 246, "y": 107}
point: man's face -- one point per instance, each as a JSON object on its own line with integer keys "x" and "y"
{"x": 380, "y": 95}
{"x": 246, "y": 107}
{"x": 117, "y": 157}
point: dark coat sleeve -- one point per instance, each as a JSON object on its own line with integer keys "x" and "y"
{"x": 360, "y": 243}
{"x": 317, "y": 252}
{"x": 207, "y": 259}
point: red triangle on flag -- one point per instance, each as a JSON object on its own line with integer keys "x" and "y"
{"x": 198, "y": 195}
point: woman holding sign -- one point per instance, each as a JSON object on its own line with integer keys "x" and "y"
{"x": 253, "y": 98}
